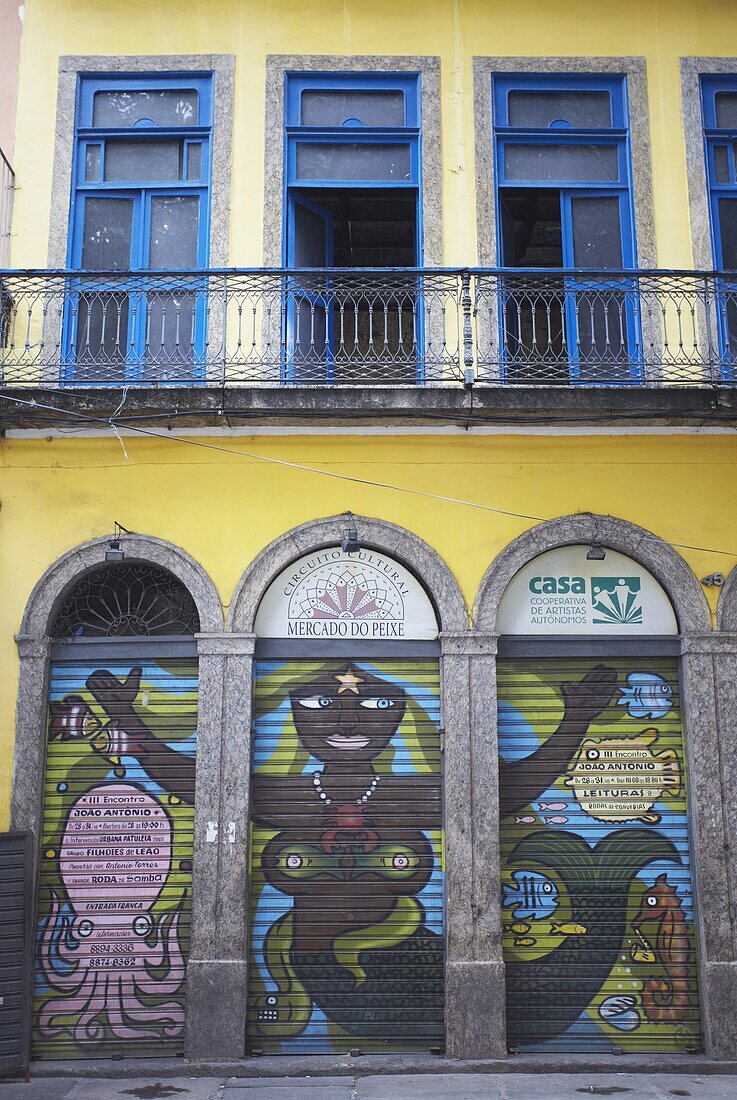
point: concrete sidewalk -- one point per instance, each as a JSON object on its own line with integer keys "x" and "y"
{"x": 440, "y": 1086}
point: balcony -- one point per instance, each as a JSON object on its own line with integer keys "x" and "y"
{"x": 388, "y": 331}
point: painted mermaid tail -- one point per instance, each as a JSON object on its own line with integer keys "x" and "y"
{"x": 400, "y": 998}
{"x": 382, "y": 981}
{"x": 284, "y": 1012}
{"x": 546, "y": 996}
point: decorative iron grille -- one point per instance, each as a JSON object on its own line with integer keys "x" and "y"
{"x": 360, "y": 327}
{"x": 133, "y": 600}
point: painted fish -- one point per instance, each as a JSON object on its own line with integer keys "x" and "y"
{"x": 642, "y": 952}
{"x": 556, "y": 820}
{"x": 621, "y": 1012}
{"x": 534, "y": 895}
{"x": 568, "y": 929}
{"x": 528, "y": 819}
{"x": 647, "y": 696}
{"x": 527, "y": 942}
{"x": 519, "y": 928}
{"x": 552, "y": 805}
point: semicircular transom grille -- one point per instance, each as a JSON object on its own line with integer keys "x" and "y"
{"x": 126, "y": 600}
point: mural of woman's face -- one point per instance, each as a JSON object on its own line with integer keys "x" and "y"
{"x": 348, "y": 715}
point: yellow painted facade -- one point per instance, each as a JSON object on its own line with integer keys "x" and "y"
{"x": 223, "y": 495}
{"x": 223, "y": 508}
{"x": 453, "y": 31}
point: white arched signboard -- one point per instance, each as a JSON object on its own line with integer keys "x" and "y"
{"x": 562, "y": 592}
{"x": 332, "y": 595}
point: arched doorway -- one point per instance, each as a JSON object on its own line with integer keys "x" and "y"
{"x": 116, "y": 836}
{"x": 599, "y": 935}
{"x": 346, "y": 945}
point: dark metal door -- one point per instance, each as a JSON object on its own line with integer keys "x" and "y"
{"x": 15, "y": 950}
{"x": 116, "y": 857}
{"x": 598, "y": 919}
{"x": 346, "y": 936}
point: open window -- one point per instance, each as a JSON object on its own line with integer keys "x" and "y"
{"x": 352, "y": 229}
{"x": 565, "y": 220}
{"x": 719, "y": 101}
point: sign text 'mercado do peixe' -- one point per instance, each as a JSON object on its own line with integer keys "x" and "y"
{"x": 333, "y": 595}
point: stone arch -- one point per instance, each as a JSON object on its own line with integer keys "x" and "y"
{"x": 702, "y": 662}
{"x": 389, "y": 538}
{"x": 70, "y": 567}
{"x": 727, "y": 606}
{"x": 34, "y": 647}
{"x": 456, "y": 699}
{"x": 657, "y": 556}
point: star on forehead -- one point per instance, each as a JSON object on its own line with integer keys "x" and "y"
{"x": 348, "y": 681}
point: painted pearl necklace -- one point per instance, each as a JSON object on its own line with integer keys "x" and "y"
{"x": 317, "y": 776}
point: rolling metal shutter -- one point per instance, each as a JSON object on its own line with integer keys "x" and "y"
{"x": 116, "y": 855}
{"x": 346, "y": 932}
{"x": 598, "y": 925}
{"x": 15, "y": 877}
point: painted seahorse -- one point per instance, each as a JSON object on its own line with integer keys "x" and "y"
{"x": 546, "y": 995}
{"x": 666, "y": 1001}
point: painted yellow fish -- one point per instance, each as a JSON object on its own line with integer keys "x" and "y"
{"x": 569, "y": 929}
{"x": 519, "y": 928}
{"x": 527, "y": 942}
{"x": 642, "y": 952}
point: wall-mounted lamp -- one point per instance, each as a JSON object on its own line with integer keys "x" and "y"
{"x": 349, "y": 544}
{"x": 114, "y": 551}
{"x": 714, "y": 580}
{"x": 596, "y": 552}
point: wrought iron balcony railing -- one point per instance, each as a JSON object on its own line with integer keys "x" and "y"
{"x": 360, "y": 327}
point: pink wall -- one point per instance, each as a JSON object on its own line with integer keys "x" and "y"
{"x": 10, "y": 32}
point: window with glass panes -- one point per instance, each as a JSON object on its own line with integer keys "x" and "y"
{"x": 353, "y": 203}
{"x": 140, "y": 203}
{"x": 563, "y": 201}
{"x": 719, "y": 103}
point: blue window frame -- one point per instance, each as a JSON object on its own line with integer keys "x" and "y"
{"x": 351, "y": 154}
{"x": 139, "y": 203}
{"x": 564, "y": 201}
{"x": 719, "y": 106}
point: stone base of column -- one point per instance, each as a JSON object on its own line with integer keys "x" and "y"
{"x": 719, "y": 1008}
{"x": 216, "y": 1009}
{"x": 475, "y": 1010}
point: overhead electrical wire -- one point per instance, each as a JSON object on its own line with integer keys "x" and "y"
{"x": 113, "y": 422}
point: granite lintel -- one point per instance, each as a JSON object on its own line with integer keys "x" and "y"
{"x": 226, "y": 645}
{"x": 471, "y": 643}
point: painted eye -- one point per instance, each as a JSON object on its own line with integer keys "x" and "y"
{"x": 84, "y": 928}
{"x": 651, "y": 900}
{"x": 592, "y": 754}
{"x": 400, "y": 862}
{"x": 271, "y": 1000}
{"x": 547, "y": 888}
{"x": 294, "y": 861}
{"x": 382, "y": 703}
{"x": 315, "y": 702}
{"x": 142, "y": 925}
